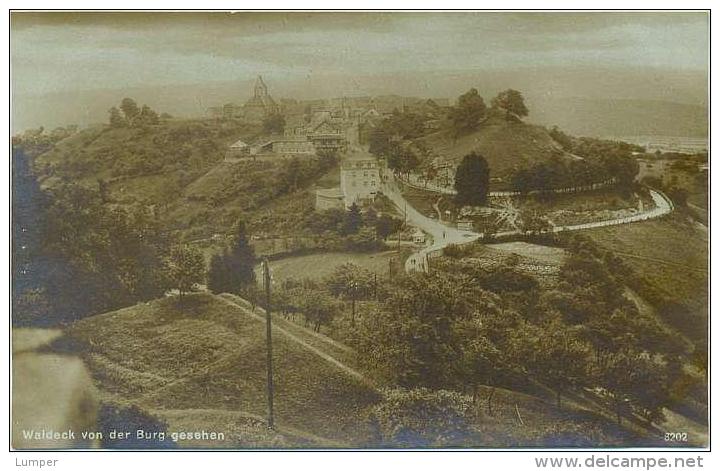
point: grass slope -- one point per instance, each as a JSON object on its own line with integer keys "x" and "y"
{"x": 672, "y": 253}
{"x": 506, "y": 145}
{"x": 208, "y": 358}
{"x": 178, "y": 168}
{"x": 202, "y": 367}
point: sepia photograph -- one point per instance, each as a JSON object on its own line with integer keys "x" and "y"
{"x": 359, "y": 230}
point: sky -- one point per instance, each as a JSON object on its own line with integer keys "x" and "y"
{"x": 65, "y": 52}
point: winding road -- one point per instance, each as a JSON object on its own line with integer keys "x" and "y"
{"x": 444, "y": 235}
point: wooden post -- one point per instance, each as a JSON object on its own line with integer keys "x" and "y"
{"x": 268, "y": 336}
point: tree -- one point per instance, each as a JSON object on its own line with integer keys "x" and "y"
{"x": 560, "y": 358}
{"x": 353, "y": 220}
{"x": 318, "y": 308}
{"x": 114, "y": 255}
{"x": 469, "y": 111}
{"x": 130, "y": 109}
{"x": 219, "y": 275}
{"x": 386, "y": 225}
{"x": 533, "y": 223}
{"x": 482, "y": 361}
{"x": 623, "y": 167}
{"x": 148, "y": 116}
{"x": 185, "y": 268}
{"x": 379, "y": 141}
{"x": 472, "y": 180}
{"x": 116, "y": 119}
{"x": 274, "y": 124}
{"x": 410, "y": 338}
{"x": 402, "y": 159}
{"x": 512, "y": 102}
{"x": 233, "y": 270}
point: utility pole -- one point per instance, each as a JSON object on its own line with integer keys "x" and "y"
{"x": 354, "y": 287}
{"x": 268, "y": 336}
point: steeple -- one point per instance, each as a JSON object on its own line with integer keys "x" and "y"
{"x": 260, "y": 88}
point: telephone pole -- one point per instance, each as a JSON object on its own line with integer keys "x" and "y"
{"x": 268, "y": 336}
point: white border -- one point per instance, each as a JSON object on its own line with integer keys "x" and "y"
{"x": 468, "y": 460}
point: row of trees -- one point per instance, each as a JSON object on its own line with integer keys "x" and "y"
{"x": 320, "y": 302}
{"x": 471, "y": 109}
{"x": 563, "y": 173}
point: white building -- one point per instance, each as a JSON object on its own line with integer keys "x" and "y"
{"x": 359, "y": 178}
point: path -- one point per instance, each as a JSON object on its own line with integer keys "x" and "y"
{"x": 230, "y": 300}
{"x": 443, "y": 235}
{"x": 417, "y": 182}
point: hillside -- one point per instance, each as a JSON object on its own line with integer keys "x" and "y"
{"x": 506, "y": 145}
{"x": 177, "y": 167}
{"x": 201, "y": 366}
{"x": 672, "y": 269}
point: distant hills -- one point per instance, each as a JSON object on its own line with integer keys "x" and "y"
{"x": 582, "y": 100}
{"x": 619, "y": 117}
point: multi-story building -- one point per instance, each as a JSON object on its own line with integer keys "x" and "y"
{"x": 359, "y": 178}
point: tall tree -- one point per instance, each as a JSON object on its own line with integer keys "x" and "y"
{"x": 472, "y": 180}
{"x": 233, "y": 270}
{"x": 116, "y": 119}
{"x": 469, "y": 111}
{"x": 130, "y": 109}
{"x": 185, "y": 268}
{"x": 353, "y": 220}
{"x": 512, "y": 102}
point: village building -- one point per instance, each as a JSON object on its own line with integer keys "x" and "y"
{"x": 359, "y": 178}
{"x": 360, "y": 181}
{"x": 238, "y": 149}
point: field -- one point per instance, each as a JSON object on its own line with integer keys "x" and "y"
{"x": 317, "y": 266}
{"x": 540, "y": 253}
{"x": 672, "y": 253}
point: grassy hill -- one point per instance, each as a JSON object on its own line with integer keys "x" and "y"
{"x": 507, "y": 145}
{"x": 201, "y": 366}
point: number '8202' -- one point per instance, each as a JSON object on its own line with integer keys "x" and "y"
{"x": 676, "y": 436}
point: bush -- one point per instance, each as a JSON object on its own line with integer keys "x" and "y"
{"x": 422, "y": 418}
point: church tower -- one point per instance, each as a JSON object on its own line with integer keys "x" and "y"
{"x": 260, "y": 88}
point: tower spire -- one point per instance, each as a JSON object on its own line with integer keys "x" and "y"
{"x": 260, "y": 87}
